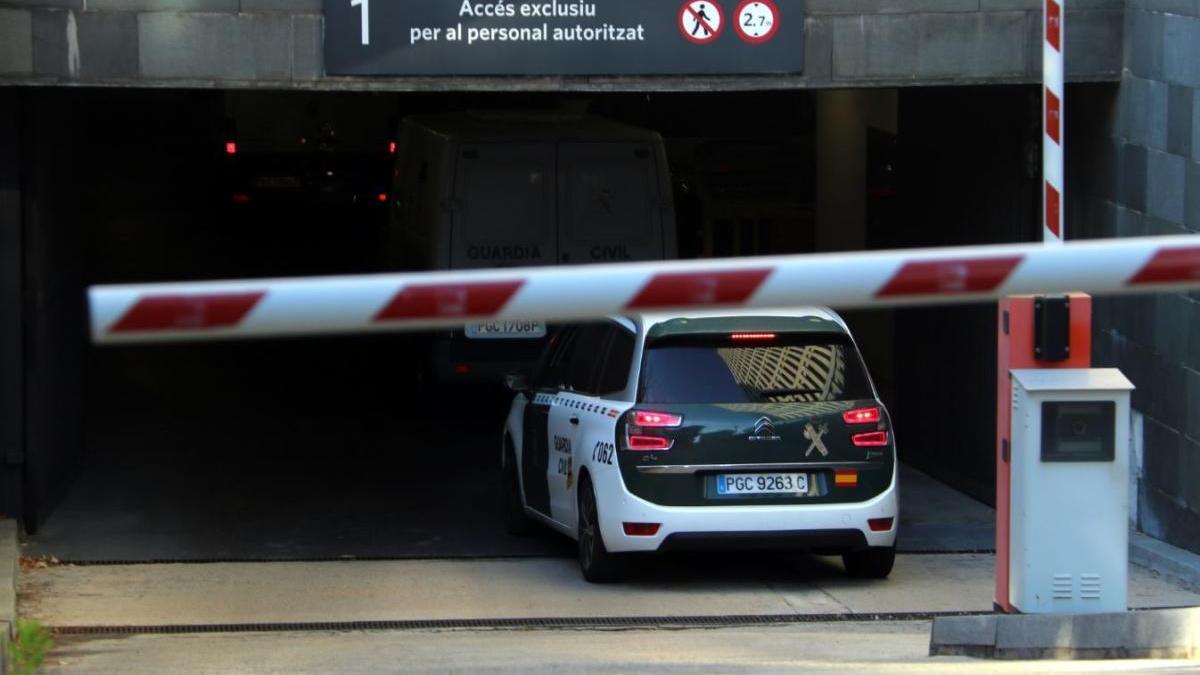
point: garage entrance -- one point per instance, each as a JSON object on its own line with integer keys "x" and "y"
{"x": 342, "y": 447}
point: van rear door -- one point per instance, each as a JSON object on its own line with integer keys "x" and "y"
{"x": 610, "y": 208}
{"x": 504, "y": 208}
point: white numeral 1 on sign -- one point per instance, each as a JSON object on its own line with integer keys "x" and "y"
{"x": 366, "y": 19}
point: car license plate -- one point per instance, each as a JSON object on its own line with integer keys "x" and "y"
{"x": 762, "y": 483}
{"x": 506, "y": 329}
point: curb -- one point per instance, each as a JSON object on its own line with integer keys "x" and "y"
{"x": 1150, "y": 634}
{"x": 1171, "y": 562}
{"x": 10, "y": 552}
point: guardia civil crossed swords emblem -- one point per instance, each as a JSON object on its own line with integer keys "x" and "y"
{"x": 814, "y": 434}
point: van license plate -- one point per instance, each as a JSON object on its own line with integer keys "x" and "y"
{"x": 505, "y": 329}
{"x": 762, "y": 483}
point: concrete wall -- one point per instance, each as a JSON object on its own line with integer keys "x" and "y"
{"x": 12, "y": 352}
{"x": 277, "y": 43}
{"x": 1144, "y": 142}
{"x": 54, "y": 311}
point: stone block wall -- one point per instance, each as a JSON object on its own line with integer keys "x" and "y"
{"x": 1140, "y": 176}
{"x": 278, "y": 44}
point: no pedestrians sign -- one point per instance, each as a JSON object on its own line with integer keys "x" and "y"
{"x": 563, "y": 37}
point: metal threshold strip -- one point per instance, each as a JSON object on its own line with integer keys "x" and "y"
{"x": 101, "y": 562}
{"x": 416, "y": 557}
{"x": 532, "y": 623}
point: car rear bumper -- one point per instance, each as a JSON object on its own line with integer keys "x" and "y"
{"x": 794, "y": 540}
{"x": 816, "y": 527}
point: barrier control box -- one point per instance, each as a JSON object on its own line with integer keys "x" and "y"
{"x": 1069, "y": 529}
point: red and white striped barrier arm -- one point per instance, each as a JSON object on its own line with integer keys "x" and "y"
{"x": 350, "y": 304}
{"x": 1054, "y": 125}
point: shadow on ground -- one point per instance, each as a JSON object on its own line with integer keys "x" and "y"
{"x": 325, "y": 449}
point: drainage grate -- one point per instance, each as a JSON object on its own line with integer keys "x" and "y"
{"x": 301, "y": 559}
{"x": 400, "y": 558}
{"x": 545, "y": 623}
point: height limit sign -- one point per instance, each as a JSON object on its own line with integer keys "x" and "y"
{"x": 756, "y": 21}
{"x": 563, "y": 37}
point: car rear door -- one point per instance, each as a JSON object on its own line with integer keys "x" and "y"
{"x": 609, "y": 204}
{"x": 504, "y": 206}
{"x": 572, "y": 411}
{"x": 535, "y": 457}
{"x": 753, "y": 403}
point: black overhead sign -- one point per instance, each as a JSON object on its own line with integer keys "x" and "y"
{"x": 563, "y": 37}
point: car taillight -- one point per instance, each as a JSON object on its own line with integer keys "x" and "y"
{"x": 870, "y": 439}
{"x": 642, "y": 430}
{"x": 231, "y": 147}
{"x": 880, "y": 524}
{"x": 648, "y": 443}
{"x": 861, "y": 416}
{"x": 641, "y": 529}
{"x": 391, "y": 147}
{"x": 382, "y": 197}
{"x": 643, "y": 418}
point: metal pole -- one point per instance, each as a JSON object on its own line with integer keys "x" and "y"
{"x": 1053, "y": 133}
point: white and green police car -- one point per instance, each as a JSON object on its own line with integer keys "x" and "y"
{"x": 702, "y": 431}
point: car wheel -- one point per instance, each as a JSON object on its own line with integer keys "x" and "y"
{"x": 596, "y": 563}
{"x": 515, "y": 521}
{"x": 873, "y": 563}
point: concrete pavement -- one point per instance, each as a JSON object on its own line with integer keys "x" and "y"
{"x": 225, "y": 593}
{"x": 882, "y": 647}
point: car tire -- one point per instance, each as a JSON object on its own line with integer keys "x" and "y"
{"x": 873, "y": 563}
{"x": 595, "y": 561}
{"x": 516, "y": 522}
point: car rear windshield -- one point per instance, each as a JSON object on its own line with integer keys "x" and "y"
{"x": 782, "y": 369}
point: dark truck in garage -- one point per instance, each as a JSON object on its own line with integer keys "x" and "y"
{"x": 508, "y": 189}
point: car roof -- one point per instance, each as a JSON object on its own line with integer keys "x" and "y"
{"x": 797, "y": 319}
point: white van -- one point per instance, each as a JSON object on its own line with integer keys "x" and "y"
{"x": 485, "y": 190}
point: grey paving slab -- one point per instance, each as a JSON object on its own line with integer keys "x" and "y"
{"x": 1180, "y": 101}
{"x": 936, "y": 517}
{"x": 196, "y": 45}
{"x": 1181, "y": 51}
{"x": 1191, "y": 204}
{"x": 108, "y": 45}
{"x": 16, "y": 41}
{"x": 9, "y": 553}
{"x": 413, "y": 590}
{"x": 1092, "y": 37}
{"x": 308, "y": 58}
{"x": 1165, "y": 634}
{"x": 1196, "y": 124}
{"x": 877, "y": 647}
{"x": 54, "y": 39}
{"x": 1165, "y": 175}
{"x": 1172, "y": 563}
